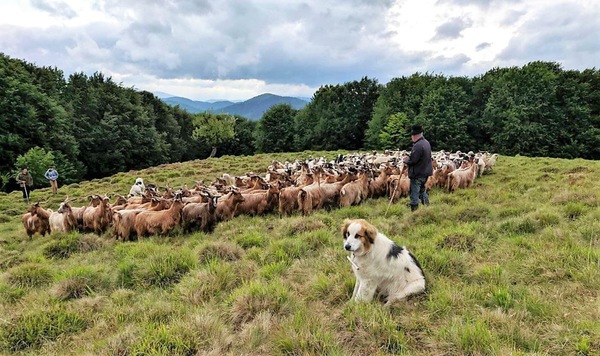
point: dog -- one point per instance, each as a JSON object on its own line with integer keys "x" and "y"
{"x": 381, "y": 267}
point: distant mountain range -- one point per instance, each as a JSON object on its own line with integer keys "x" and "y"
{"x": 252, "y": 109}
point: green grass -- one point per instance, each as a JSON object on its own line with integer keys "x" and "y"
{"x": 512, "y": 265}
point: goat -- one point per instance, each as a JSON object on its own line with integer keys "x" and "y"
{"x": 201, "y": 215}
{"x": 491, "y": 162}
{"x": 159, "y": 222}
{"x": 259, "y": 203}
{"x": 124, "y": 220}
{"x": 36, "y": 220}
{"x": 354, "y": 192}
{"x": 462, "y": 178}
{"x": 97, "y": 218}
{"x": 228, "y": 204}
{"x": 64, "y": 219}
{"x": 378, "y": 186}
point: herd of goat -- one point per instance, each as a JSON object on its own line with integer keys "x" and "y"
{"x": 287, "y": 187}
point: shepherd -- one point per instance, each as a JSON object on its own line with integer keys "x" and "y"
{"x": 25, "y": 180}
{"x": 52, "y": 175}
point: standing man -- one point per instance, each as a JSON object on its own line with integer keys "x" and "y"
{"x": 25, "y": 180}
{"x": 419, "y": 167}
{"x": 52, "y": 175}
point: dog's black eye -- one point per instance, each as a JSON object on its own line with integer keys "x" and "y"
{"x": 357, "y": 236}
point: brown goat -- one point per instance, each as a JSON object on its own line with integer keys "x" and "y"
{"x": 378, "y": 186}
{"x": 124, "y": 220}
{"x": 159, "y": 222}
{"x": 354, "y": 192}
{"x": 36, "y": 220}
{"x": 97, "y": 218}
{"x": 228, "y": 204}
{"x": 259, "y": 203}
{"x": 200, "y": 215}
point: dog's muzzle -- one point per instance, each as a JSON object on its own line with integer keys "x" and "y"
{"x": 348, "y": 247}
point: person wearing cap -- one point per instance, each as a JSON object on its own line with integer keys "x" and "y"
{"x": 25, "y": 180}
{"x": 419, "y": 167}
{"x": 52, "y": 175}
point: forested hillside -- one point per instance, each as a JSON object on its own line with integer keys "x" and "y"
{"x": 91, "y": 127}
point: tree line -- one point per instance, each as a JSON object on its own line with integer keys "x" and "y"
{"x": 90, "y": 127}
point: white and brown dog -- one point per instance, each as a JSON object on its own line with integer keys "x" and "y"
{"x": 380, "y": 266}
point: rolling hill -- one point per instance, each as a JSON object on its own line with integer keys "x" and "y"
{"x": 252, "y": 109}
{"x": 511, "y": 265}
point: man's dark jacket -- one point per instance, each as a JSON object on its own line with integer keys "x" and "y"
{"x": 419, "y": 161}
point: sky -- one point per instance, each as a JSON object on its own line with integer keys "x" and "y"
{"x": 237, "y": 49}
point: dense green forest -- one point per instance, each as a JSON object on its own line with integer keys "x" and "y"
{"x": 91, "y": 127}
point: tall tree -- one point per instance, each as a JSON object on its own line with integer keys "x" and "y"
{"x": 213, "y": 129}
{"x": 275, "y": 130}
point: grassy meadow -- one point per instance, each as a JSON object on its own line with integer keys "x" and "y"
{"x": 512, "y": 265}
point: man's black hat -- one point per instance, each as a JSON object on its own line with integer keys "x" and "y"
{"x": 416, "y": 130}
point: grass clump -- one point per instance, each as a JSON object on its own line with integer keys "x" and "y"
{"x": 372, "y": 324}
{"x": 9, "y": 258}
{"x": 459, "y": 242}
{"x": 248, "y": 301}
{"x": 10, "y": 294}
{"x": 29, "y": 275}
{"x": 76, "y": 283}
{"x": 574, "y": 210}
{"x": 34, "y": 329}
{"x": 471, "y": 337}
{"x": 63, "y": 247}
{"x": 163, "y": 340}
{"x": 213, "y": 282}
{"x": 225, "y": 251}
{"x": 157, "y": 266}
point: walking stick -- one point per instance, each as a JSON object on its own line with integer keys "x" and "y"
{"x": 26, "y": 192}
{"x": 392, "y": 197}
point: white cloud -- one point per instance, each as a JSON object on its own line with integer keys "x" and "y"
{"x": 235, "y": 49}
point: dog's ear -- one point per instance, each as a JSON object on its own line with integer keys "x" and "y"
{"x": 370, "y": 231}
{"x": 347, "y": 223}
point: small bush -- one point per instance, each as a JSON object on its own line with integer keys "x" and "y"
{"x": 29, "y": 275}
{"x": 35, "y": 328}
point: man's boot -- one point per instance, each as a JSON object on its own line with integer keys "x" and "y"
{"x": 413, "y": 207}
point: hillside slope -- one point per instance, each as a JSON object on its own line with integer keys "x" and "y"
{"x": 512, "y": 266}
